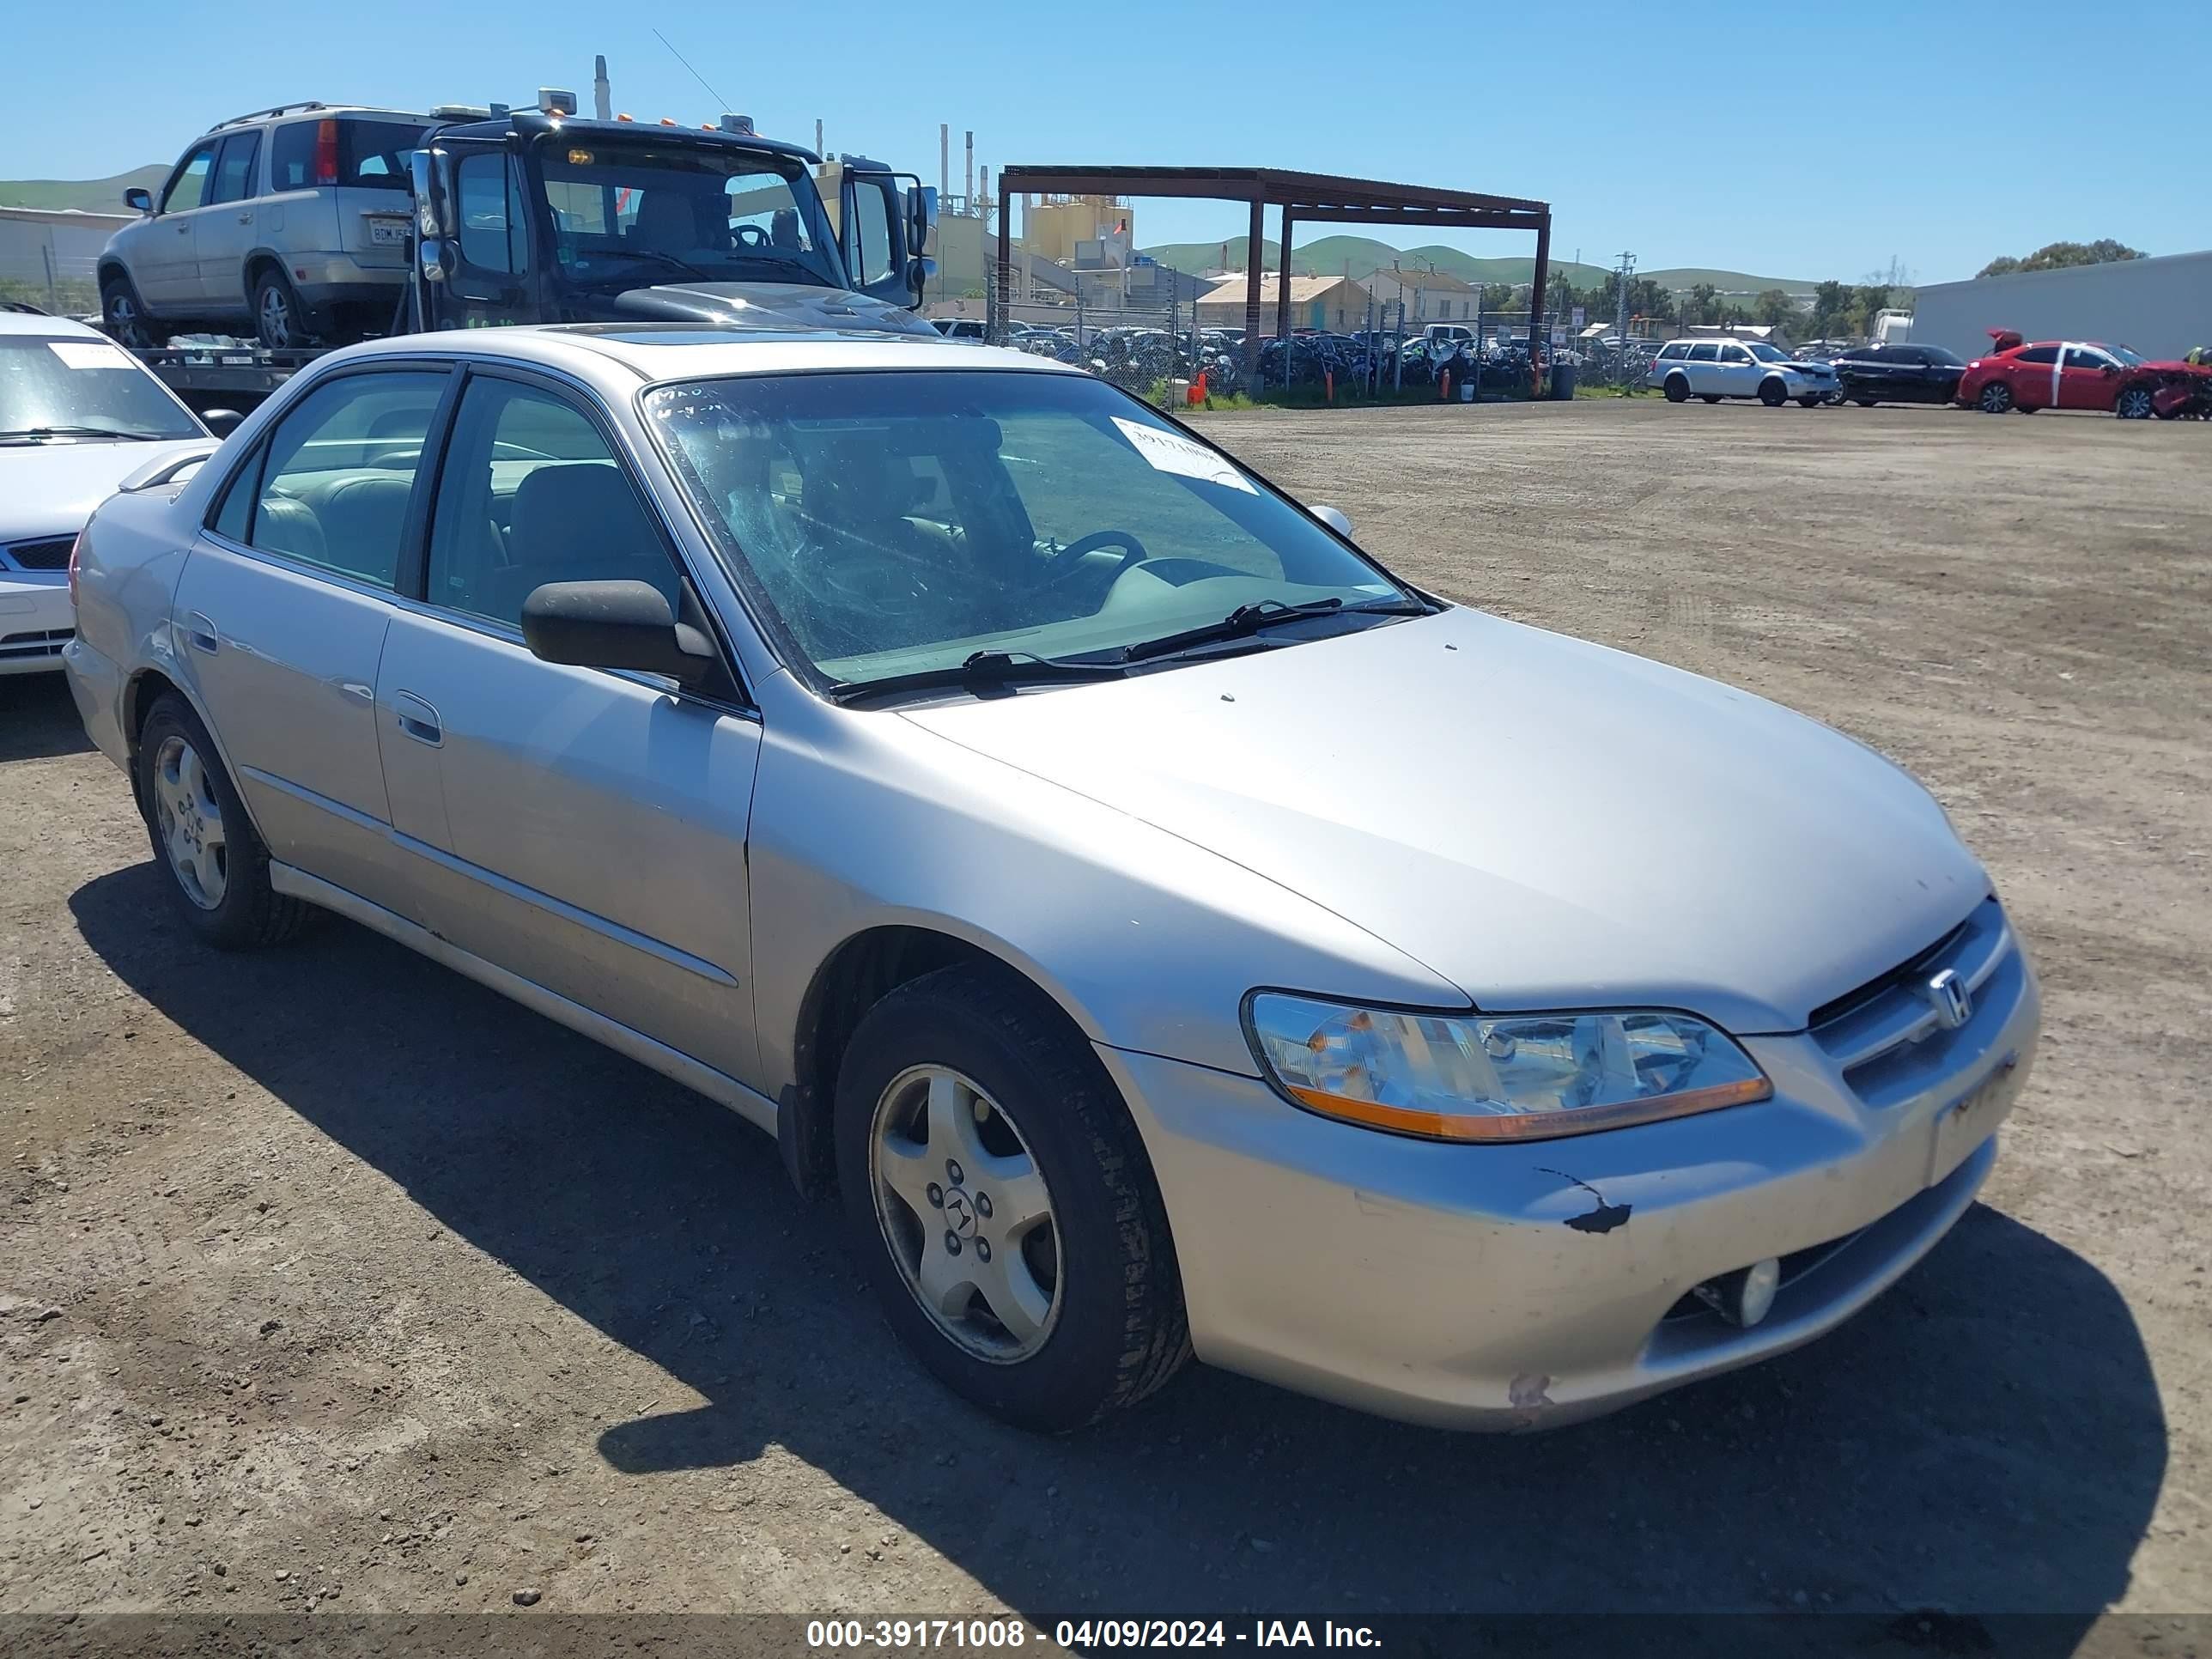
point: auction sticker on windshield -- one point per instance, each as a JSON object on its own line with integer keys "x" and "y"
{"x": 1169, "y": 452}
{"x": 89, "y": 354}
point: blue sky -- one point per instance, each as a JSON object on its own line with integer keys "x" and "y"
{"x": 1823, "y": 142}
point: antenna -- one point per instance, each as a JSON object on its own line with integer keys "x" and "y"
{"x": 719, "y": 102}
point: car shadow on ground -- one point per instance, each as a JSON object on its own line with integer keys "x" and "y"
{"x": 38, "y": 718}
{"x": 1987, "y": 1437}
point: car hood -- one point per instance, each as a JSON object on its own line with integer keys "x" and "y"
{"x": 1543, "y": 821}
{"x": 781, "y": 306}
{"x": 50, "y": 488}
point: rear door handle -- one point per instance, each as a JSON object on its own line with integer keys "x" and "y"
{"x": 417, "y": 719}
{"x": 202, "y": 633}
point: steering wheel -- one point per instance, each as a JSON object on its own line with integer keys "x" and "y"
{"x": 750, "y": 236}
{"x": 1070, "y": 558}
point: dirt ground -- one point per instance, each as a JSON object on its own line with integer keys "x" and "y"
{"x": 328, "y": 1279}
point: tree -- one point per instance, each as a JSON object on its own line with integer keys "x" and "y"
{"x": 1774, "y": 307}
{"x": 1832, "y": 302}
{"x": 1498, "y": 296}
{"x": 2057, "y": 256}
{"x": 1869, "y": 299}
{"x": 1703, "y": 306}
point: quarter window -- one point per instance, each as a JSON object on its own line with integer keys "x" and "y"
{"x": 531, "y": 494}
{"x": 187, "y": 186}
{"x": 340, "y": 471}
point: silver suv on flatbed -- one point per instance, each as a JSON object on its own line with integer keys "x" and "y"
{"x": 293, "y": 220}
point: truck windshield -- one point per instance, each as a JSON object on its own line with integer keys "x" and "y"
{"x": 619, "y": 210}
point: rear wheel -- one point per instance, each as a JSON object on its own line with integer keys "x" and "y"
{"x": 280, "y": 321}
{"x": 125, "y": 315}
{"x": 2134, "y": 402}
{"x": 1003, "y": 1204}
{"x": 1678, "y": 389}
{"x": 217, "y": 867}
{"x": 1995, "y": 399}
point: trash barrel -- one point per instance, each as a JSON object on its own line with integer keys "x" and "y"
{"x": 1563, "y": 380}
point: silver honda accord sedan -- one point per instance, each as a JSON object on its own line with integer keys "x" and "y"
{"x": 1165, "y": 929}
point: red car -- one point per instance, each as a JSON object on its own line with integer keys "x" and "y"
{"x": 2078, "y": 374}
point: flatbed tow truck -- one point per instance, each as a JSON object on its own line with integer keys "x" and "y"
{"x": 537, "y": 216}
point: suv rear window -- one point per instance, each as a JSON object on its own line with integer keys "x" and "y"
{"x": 371, "y": 154}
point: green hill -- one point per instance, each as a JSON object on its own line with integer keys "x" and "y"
{"x": 90, "y": 195}
{"x": 1362, "y": 256}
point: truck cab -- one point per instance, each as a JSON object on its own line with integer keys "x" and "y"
{"x": 537, "y": 217}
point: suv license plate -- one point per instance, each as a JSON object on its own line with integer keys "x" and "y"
{"x": 1968, "y": 1122}
{"x": 387, "y": 233}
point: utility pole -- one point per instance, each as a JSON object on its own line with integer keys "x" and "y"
{"x": 1620, "y": 324}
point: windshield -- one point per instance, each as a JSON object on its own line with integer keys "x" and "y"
{"x": 1765, "y": 353}
{"x": 85, "y": 390}
{"x": 624, "y": 209}
{"x": 897, "y": 523}
{"x": 2128, "y": 357}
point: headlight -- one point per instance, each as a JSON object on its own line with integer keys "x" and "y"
{"x": 1506, "y": 1077}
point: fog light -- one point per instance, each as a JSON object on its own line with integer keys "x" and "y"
{"x": 1743, "y": 1296}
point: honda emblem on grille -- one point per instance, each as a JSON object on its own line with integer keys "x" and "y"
{"x": 1954, "y": 1004}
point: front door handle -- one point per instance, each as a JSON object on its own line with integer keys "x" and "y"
{"x": 417, "y": 719}
{"x": 201, "y": 632}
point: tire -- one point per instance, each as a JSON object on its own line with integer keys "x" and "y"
{"x": 1773, "y": 393}
{"x": 1995, "y": 398}
{"x": 1808, "y": 402}
{"x": 1710, "y": 397}
{"x": 2023, "y": 409}
{"x": 1865, "y": 403}
{"x": 124, "y": 314}
{"x": 280, "y": 321}
{"x": 1678, "y": 389}
{"x": 214, "y": 866}
{"x": 2133, "y": 404}
{"x": 1091, "y": 1289}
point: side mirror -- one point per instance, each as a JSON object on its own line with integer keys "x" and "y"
{"x": 920, "y": 215}
{"x": 429, "y": 178}
{"x": 220, "y": 421}
{"x": 140, "y": 197}
{"x": 617, "y": 624}
{"x": 435, "y": 257}
{"x": 1334, "y": 518}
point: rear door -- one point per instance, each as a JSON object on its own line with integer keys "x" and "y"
{"x": 224, "y": 231}
{"x": 283, "y": 609}
{"x": 166, "y": 266}
{"x": 1705, "y": 369}
{"x": 2033, "y": 377}
{"x": 582, "y": 829}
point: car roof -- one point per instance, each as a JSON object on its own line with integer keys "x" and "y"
{"x": 691, "y": 351}
{"x": 37, "y": 323}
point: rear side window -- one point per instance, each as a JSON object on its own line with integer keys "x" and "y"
{"x": 234, "y": 168}
{"x": 2039, "y": 354}
{"x": 1704, "y": 352}
{"x": 340, "y": 472}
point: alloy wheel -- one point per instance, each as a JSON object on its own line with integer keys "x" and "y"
{"x": 2133, "y": 404}
{"x": 190, "y": 818}
{"x": 1995, "y": 399}
{"x": 124, "y": 320}
{"x": 965, "y": 1213}
{"x": 275, "y": 317}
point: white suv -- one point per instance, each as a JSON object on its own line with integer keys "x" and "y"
{"x": 1714, "y": 369}
{"x": 291, "y": 219}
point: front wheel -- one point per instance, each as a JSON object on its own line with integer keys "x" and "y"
{"x": 1003, "y": 1204}
{"x": 216, "y": 865}
{"x": 1995, "y": 399}
{"x": 1773, "y": 393}
{"x": 2133, "y": 404}
{"x": 124, "y": 314}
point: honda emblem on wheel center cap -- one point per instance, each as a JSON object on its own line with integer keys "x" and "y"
{"x": 1952, "y": 1004}
{"x": 959, "y": 1212}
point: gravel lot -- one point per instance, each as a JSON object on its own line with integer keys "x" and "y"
{"x": 329, "y": 1279}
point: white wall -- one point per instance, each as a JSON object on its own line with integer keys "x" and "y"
{"x": 2161, "y": 307}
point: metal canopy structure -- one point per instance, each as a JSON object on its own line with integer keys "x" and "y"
{"x": 1308, "y": 197}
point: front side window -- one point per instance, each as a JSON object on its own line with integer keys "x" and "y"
{"x": 81, "y": 390}
{"x": 188, "y": 185}
{"x": 1735, "y": 354}
{"x": 2087, "y": 357}
{"x": 493, "y": 234}
{"x": 340, "y": 471}
{"x": 896, "y": 524}
{"x": 621, "y": 211}
{"x": 531, "y": 494}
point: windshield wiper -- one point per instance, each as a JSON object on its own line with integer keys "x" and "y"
{"x": 984, "y": 669}
{"x": 1249, "y": 619}
{"x": 80, "y": 432}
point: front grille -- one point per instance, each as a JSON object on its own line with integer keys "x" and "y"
{"x": 16, "y": 646}
{"x": 51, "y": 554}
{"x": 1885, "y": 1036}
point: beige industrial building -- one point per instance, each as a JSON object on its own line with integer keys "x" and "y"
{"x": 1335, "y": 303}
{"x": 1429, "y": 296}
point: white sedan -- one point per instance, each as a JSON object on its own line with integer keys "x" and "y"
{"x": 78, "y": 415}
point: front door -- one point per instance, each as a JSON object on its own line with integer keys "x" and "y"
{"x": 584, "y": 829}
{"x": 489, "y": 284}
{"x": 1739, "y": 372}
{"x": 281, "y": 617}
{"x": 164, "y": 262}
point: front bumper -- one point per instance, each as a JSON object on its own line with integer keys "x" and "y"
{"x": 1522, "y": 1286}
{"x": 36, "y": 622}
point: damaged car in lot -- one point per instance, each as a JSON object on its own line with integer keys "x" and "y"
{"x": 1165, "y": 928}
{"x": 2021, "y": 377}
